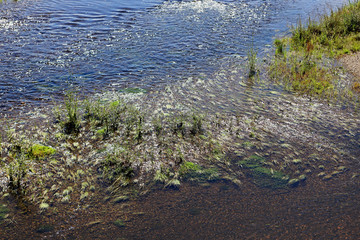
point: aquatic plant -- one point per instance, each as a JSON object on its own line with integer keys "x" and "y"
{"x": 117, "y": 168}
{"x": 173, "y": 183}
{"x": 17, "y": 171}
{"x": 3, "y": 212}
{"x": 253, "y": 161}
{"x": 280, "y": 47}
{"x": 268, "y": 178}
{"x": 196, "y": 127}
{"x": 104, "y": 114}
{"x": 261, "y": 175}
{"x": 178, "y": 127}
{"x": 193, "y": 172}
{"x": 252, "y": 58}
{"x": 160, "y": 176}
{"x": 158, "y": 128}
{"x": 119, "y": 223}
{"x": 45, "y": 228}
{"x": 72, "y": 123}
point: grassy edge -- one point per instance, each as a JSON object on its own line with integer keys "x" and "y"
{"x": 300, "y": 60}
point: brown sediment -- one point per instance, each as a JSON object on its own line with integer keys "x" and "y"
{"x": 318, "y": 210}
{"x": 352, "y": 63}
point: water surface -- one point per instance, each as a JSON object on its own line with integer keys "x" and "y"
{"x": 49, "y": 46}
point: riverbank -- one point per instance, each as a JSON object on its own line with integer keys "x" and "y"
{"x": 304, "y": 62}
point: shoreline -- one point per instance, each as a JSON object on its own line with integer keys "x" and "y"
{"x": 352, "y": 63}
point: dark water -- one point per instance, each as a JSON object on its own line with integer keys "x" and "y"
{"x": 49, "y": 46}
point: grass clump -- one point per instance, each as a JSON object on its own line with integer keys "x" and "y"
{"x": 197, "y": 122}
{"x": 333, "y": 34}
{"x": 17, "y": 171}
{"x": 104, "y": 115}
{"x": 117, "y": 168}
{"x": 72, "y": 123}
{"x": 252, "y": 58}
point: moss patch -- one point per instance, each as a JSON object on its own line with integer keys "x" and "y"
{"x": 40, "y": 151}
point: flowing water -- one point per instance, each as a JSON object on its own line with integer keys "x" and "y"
{"x": 187, "y": 54}
{"x": 49, "y": 46}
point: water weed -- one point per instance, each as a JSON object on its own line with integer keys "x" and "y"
{"x": 72, "y": 122}
{"x": 252, "y": 59}
{"x": 17, "y": 171}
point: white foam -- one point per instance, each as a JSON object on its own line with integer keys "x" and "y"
{"x": 198, "y": 6}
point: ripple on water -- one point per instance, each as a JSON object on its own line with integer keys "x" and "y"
{"x": 121, "y": 43}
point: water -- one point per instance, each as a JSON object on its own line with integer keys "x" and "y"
{"x": 47, "y": 47}
{"x": 194, "y": 53}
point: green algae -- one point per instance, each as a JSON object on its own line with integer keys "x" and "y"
{"x": 133, "y": 90}
{"x": 193, "y": 172}
{"x": 261, "y": 176}
{"x": 268, "y": 178}
{"x": 251, "y": 162}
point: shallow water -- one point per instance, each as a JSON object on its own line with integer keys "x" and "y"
{"x": 193, "y": 52}
{"x": 49, "y": 46}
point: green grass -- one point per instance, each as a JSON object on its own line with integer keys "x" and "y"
{"x": 298, "y": 58}
{"x": 335, "y": 34}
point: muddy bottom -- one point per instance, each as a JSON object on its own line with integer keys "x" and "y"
{"x": 317, "y": 210}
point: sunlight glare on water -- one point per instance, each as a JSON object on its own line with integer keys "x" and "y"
{"x": 50, "y": 46}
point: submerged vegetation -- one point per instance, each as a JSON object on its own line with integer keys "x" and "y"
{"x": 121, "y": 149}
{"x": 300, "y": 59}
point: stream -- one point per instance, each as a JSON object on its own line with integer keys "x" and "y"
{"x": 184, "y": 55}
